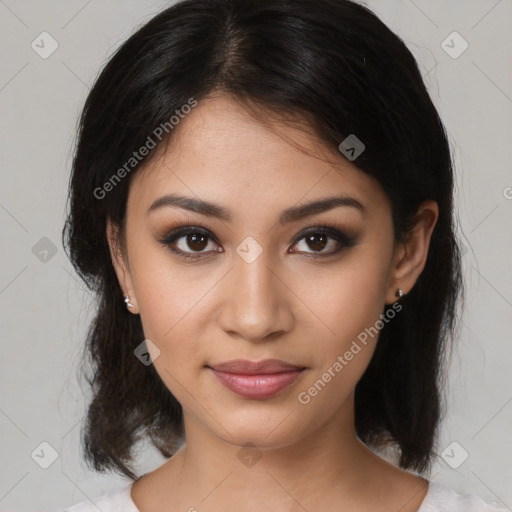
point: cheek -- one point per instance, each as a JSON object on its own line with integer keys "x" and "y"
{"x": 350, "y": 296}
{"x": 169, "y": 308}
{"x": 348, "y": 302}
{"x": 169, "y": 299}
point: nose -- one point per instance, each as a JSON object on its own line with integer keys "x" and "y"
{"x": 256, "y": 303}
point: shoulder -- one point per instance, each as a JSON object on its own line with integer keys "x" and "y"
{"x": 441, "y": 498}
{"x": 116, "y": 500}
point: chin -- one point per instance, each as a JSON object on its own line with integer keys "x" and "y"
{"x": 265, "y": 430}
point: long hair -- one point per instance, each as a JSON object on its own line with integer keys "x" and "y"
{"x": 336, "y": 66}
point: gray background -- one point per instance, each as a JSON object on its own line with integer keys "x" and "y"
{"x": 45, "y": 309}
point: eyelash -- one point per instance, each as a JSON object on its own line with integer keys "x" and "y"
{"x": 343, "y": 240}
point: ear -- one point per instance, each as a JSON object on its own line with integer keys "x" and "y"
{"x": 409, "y": 257}
{"x": 120, "y": 263}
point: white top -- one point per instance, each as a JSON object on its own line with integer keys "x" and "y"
{"x": 439, "y": 498}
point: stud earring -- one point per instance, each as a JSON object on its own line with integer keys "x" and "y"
{"x": 399, "y": 293}
{"x": 127, "y": 302}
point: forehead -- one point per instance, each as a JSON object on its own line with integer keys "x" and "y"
{"x": 220, "y": 152}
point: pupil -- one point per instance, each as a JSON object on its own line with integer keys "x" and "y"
{"x": 192, "y": 241}
{"x": 321, "y": 241}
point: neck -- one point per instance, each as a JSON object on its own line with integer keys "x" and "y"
{"x": 313, "y": 470}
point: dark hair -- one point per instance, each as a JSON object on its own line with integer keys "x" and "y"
{"x": 337, "y": 67}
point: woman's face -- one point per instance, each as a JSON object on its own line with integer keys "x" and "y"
{"x": 258, "y": 275}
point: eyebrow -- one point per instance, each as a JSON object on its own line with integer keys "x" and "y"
{"x": 287, "y": 216}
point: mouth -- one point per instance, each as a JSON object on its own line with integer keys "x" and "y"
{"x": 256, "y": 379}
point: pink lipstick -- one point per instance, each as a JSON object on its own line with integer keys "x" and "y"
{"x": 256, "y": 379}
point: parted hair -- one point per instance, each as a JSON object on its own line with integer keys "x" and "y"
{"x": 333, "y": 64}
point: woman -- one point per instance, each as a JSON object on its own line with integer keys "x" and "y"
{"x": 261, "y": 197}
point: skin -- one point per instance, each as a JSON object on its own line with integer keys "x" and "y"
{"x": 283, "y": 305}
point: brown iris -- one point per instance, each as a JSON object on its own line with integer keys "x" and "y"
{"x": 197, "y": 241}
{"x": 317, "y": 242}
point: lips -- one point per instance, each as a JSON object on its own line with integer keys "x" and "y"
{"x": 256, "y": 379}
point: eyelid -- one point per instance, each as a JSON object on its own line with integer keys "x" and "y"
{"x": 181, "y": 231}
{"x": 333, "y": 232}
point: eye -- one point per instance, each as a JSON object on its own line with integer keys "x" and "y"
{"x": 194, "y": 242}
{"x": 190, "y": 242}
{"x": 323, "y": 241}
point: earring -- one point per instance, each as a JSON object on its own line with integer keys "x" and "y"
{"x": 127, "y": 302}
{"x": 399, "y": 293}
